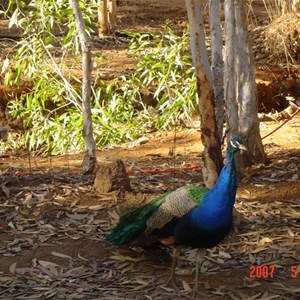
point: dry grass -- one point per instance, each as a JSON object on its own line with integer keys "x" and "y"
{"x": 282, "y": 38}
{"x": 279, "y": 41}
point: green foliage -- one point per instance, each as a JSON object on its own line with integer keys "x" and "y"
{"x": 114, "y": 116}
{"x": 165, "y": 70}
{"x": 52, "y": 110}
{"x": 51, "y": 124}
{"x": 45, "y": 23}
{"x": 55, "y": 126}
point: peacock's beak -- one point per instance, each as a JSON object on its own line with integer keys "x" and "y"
{"x": 242, "y": 147}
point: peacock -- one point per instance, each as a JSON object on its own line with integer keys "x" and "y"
{"x": 189, "y": 216}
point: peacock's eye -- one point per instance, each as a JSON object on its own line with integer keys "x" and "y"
{"x": 235, "y": 144}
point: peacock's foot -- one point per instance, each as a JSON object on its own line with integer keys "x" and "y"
{"x": 196, "y": 294}
{"x": 172, "y": 283}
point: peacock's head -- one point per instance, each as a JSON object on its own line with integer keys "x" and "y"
{"x": 235, "y": 144}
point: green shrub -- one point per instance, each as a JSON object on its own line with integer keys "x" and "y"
{"x": 52, "y": 111}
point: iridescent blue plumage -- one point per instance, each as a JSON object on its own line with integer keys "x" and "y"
{"x": 190, "y": 216}
{"x": 207, "y": 224}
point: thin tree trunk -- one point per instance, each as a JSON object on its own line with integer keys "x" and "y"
{"x": 229, "y": 68}
{"x": 103, "y": 21}
{"x": 89, "y": 162}
{"x": 212, "y": 157}
{"x": 246, "y": 91}
{"x": 112, "y": 11}
{"x": 217, "y": 63}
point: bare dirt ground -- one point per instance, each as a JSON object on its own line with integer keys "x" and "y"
{"x": 53, "y": 225}
{"x": 52, "y": 222}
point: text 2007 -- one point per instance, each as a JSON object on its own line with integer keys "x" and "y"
{"x": 257, "y": 272}
{"x": 262, "y": 272}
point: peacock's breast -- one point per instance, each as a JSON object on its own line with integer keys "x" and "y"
{"x": 200, "y": 236}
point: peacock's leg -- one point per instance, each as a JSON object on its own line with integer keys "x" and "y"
{"x": 199, "y": 259}
{"x": 176, "y": 252}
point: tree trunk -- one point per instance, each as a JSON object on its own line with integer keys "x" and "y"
{"x": 212, "y": 157}
{"x": 106, "y": 17}
{"x": 89, "y": 162}
{"x": 103, "y": 24}
{"x": 229, "y": 66}
{"x": 217, "y": 64}
{"x": 246, "y": 91}
{"x": 112, "y": 11}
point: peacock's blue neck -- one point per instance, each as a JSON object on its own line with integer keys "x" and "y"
{"x": 216, "y": 207}
{"x": 230, "y": 164}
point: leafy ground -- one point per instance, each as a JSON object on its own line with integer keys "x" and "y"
{"x": 52, "y": 222}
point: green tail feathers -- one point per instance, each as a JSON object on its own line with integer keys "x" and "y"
{"x": 133, "y": 223}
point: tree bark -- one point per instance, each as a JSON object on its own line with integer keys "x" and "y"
{"x": 103, "y": 24}
{"x": 112, "y": 11}
{"x": 106, "y": 17}
{"x": 212, "y": 157}
{"x": 89, "y": 162}
{"x": 246, "y": 91}
{"x": 229, "y": 68}
{"x": 217, "y": 63}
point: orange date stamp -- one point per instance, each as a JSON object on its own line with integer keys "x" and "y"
{"x": 263, "y": 272}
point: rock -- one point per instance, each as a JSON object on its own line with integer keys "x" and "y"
{"x": 111, "y": 176}
{"x": 142, "y": 140}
